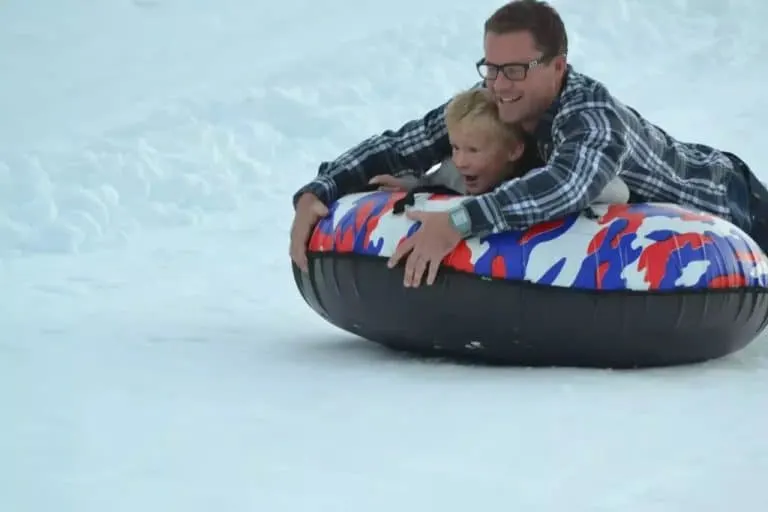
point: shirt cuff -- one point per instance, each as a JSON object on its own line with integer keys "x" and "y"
{"x": 315, "y": 187}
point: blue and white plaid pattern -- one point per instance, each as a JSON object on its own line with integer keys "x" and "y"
{"x": 586, "y": 137}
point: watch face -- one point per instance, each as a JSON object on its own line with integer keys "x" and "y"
{"x": 460, "y": 220}
{"x": 459, "y": 217}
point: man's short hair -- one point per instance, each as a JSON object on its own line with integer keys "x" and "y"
{"x": 534, "y": 16}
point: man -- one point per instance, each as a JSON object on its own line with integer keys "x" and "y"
{"x": 586, "y": 137}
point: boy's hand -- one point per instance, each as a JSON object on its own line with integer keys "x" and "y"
{"x": 389, "y": 183}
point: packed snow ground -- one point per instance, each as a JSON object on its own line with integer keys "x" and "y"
{"x": 155, "y": 354}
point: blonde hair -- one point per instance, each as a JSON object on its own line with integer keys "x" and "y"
{"x": 478, "y": 106}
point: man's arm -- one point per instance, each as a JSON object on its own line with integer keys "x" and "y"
{"x": 589, "y": 154}
{"x": 417, "y": 145}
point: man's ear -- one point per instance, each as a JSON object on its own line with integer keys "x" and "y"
{"x": 561, "y": 63}
{"x": 516, "y": 152}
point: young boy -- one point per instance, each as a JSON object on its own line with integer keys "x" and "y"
{"x": 486, "y": 152}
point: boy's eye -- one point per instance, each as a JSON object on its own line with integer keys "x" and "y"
{"x": 468, "y": 149}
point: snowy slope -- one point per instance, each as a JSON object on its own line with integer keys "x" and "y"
{"x": 155, "y": 354}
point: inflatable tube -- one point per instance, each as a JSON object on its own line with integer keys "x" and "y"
{"x": 619, "y": 286}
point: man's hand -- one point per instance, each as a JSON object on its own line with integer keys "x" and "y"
{"x": 390, "y": 183}
{"x": 309, "y": 210}
{"x": 433, "y": 241}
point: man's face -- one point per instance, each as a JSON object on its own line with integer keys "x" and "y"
{"x": 523, "y": 98}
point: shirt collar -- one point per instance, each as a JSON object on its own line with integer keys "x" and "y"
{"x": 543, "y": 130}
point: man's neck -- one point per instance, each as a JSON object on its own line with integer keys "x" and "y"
{"x": 529, "y": 125}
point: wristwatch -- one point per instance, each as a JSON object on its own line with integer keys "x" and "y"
{"x": 460, "y": 220}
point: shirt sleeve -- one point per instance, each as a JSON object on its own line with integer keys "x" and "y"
{"x": 416, "y": 146}
{"x": 589, "y": 150}
{"x": 439, "y": 177}
{"x": 410, "y": 181}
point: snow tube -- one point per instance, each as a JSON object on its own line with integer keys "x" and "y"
{"x": 617, "y": 286}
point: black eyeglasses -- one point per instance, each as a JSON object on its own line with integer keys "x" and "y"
{"x": 515, "y": 71}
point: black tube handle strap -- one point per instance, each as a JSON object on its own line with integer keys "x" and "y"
{"x": 409, "y": 198}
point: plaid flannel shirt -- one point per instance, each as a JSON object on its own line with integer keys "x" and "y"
{"x": 587, "y": 137}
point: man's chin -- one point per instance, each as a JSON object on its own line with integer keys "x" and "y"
{"x": 510, "y": 113}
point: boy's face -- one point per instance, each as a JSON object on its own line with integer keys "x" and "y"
{"x": 481, "y": 156}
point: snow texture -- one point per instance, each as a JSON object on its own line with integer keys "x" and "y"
{"x": 155, "y": 354}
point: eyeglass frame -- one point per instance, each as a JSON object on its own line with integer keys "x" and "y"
{"x": 526, "y": 67}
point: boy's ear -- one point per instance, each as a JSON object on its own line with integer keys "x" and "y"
{"x": 517, "y": 151}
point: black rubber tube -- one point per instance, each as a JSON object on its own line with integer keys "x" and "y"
{"x": 524, "y": 324}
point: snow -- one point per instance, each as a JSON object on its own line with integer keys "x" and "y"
{"x": 155, "y": 354}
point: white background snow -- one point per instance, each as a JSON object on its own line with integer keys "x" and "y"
{"x": 154, "y": 352}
